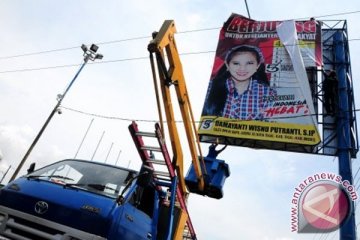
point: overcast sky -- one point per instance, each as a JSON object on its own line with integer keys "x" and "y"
{"x": 258, "y": 193}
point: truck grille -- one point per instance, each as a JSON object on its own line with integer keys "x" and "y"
{"x": 16, "y": 227}
{"x": 21, "y": 226}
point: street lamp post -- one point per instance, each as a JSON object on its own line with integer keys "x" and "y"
{"x": 89, "y": 54}
{"x": 4, "y": 174}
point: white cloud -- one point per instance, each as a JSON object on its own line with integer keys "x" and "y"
{"x": 15, "y": 141}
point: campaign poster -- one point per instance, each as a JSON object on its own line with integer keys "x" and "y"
{"x": 258, "y": 88}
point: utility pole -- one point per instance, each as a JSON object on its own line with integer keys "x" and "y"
{"x": 89, "y": 54}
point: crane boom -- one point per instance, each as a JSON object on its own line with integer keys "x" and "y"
{"x": 206, "y": 175}
{"x": 172, "y": 75}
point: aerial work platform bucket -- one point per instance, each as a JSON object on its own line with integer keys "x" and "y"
{"x": 216, "y": 173}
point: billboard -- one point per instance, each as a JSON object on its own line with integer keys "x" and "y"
{"x": 258, "y": 88}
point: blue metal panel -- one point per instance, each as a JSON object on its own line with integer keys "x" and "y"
{"x": 132, "y": 224}
{"x": 171, "y": 210}
{"x": 155, "y": 215}
{"x": 216, "y": 173}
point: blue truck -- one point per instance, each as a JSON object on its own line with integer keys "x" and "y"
{"x": 85, "y": 200}
{"x": 78, "y": 199}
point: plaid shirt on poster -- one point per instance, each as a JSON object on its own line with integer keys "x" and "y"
{"x": 249, "y": 105}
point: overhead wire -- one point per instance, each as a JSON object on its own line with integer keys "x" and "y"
{"x": 125, "y": 59}
{"x": 101, "y": 43}
{"x": 149, "y": 120}
{"x": 330, "y": 15}
{"x": 92, "y": 63}
{"x": 147, "y": 37}
{"x": 98, "y": 43}
{"x": 72, "y": 65}
{"x": 38, "y": 53}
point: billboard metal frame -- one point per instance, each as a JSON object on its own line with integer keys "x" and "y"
{"x": 329, "y": 144}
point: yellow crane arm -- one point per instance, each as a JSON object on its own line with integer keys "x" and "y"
{"x": 171, "y": 74}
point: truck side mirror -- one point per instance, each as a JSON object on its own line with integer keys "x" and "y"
{"x": 31, "y": 168}
{"x": 145, "y": 176}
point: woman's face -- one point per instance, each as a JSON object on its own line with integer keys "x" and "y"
{"x": 242, "y": 66}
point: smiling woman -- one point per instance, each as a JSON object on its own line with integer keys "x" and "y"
{"x": 240, "y": 90}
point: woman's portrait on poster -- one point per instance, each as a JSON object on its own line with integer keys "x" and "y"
{"x": 240, "y": 89}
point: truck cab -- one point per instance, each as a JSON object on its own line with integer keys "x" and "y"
{"x": 77, "y": 199}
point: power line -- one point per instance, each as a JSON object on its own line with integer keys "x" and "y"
{"x": 129, "y": 59}
{"x": 148, "y": 37}
{"x": 154, "y": 121}
{"x": 106, "y": 117}
{"x": 100, "y": 43}
{"x": 71, "y": 48}
{"x": 330, "y": 15}
{"x": 37, "y": 53}
{"x": 71, "y": 65}
{"x": 40, "y": 68}
{"x": 102, "y": 62}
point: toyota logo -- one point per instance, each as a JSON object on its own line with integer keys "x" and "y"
{"x": 41, "y": 207}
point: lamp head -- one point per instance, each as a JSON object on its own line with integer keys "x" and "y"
{"x": 84, "y": 48}
{"x": 94, "y": 48}
{"x": 99, "y": 56}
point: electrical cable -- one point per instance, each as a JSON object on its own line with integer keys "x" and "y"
{"x": 99, "y": 62}
{"x": 109, "y": 117}
{"x": 38, "y": 53}
{"x": 71, "y": 65}
{"x": 41, "y": 68}
{"x": 123, "y": 60}
{"x": 99, "y": 43}
{"x": 154, "y": 121}
{"x": 71, "y": 48}
{"x": 329, "y": 15}
{"x": 149, "y": 37}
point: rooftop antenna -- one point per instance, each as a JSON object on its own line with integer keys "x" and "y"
{"x": 82, "y": 141}
{"x": 97, "y": 146}
{"x": 118, "y": 156}
{"x": 107, "y": 156}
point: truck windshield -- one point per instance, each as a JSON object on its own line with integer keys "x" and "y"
{"x": 90, "y": 176}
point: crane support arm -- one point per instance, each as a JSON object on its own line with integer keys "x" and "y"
{"x": 171, "y": 74}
